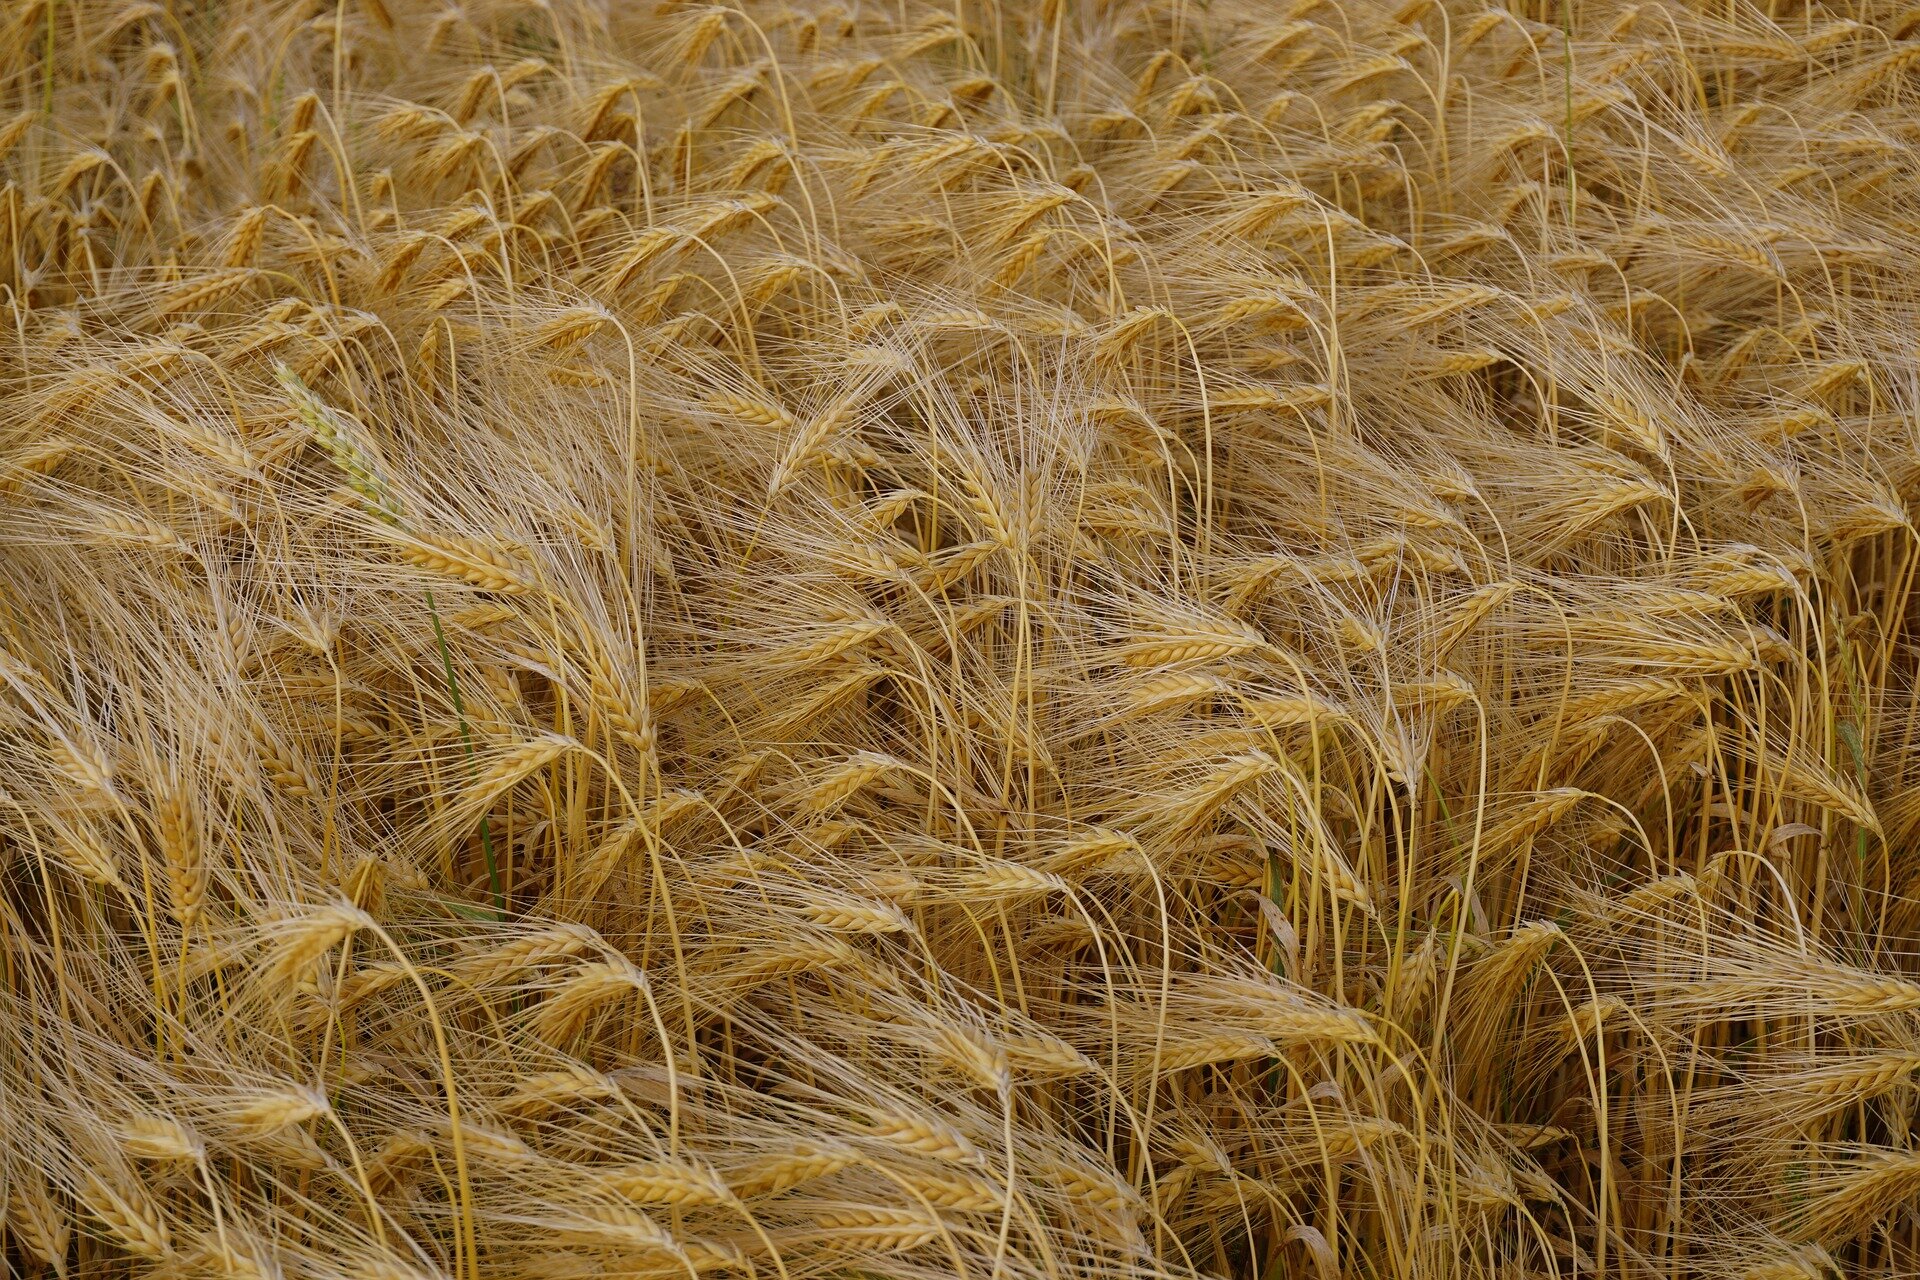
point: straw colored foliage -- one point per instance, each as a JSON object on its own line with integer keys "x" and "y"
{"x": 1019, "y": 640}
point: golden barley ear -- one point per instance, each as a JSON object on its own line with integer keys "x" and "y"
{"x": 183, "y": 849}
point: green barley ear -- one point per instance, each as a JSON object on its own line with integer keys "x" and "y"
{"x": 336, "y": 431}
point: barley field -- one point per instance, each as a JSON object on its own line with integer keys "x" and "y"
{"x": 982, "y": 640}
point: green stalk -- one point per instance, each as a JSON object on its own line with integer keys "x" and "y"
{"x": 46, "y": 66}
{"x": 335, "y": 435}
{"x": 1566, "y": 44}
{"x": 466, "y": 739}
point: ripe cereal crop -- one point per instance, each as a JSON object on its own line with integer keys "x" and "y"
{"x": 975, "y": 639}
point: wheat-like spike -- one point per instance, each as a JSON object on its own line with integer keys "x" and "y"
{"x": 1734, "y": 584}
{"x": 546, "y": 1091}
{"x": 269, "y": 1112}
{"x": 1887, "y": 66}
{"x": 1214, "y": 1050}
{"x": 482, "y": 617}
{"x": 368, "y": 982}
{"x": 812, "y": 440}
{"x": 1836, "y": 992}
{"x": 1223, "y": 781}
{"x": 1849, "y": 1081}
{"x": 77, "y": 168}
{"x": 1176, "y": 690}
{"x": 235, "y": 1255}
{"x": 468, "y": 559}
{"x": 14, "y": 130}
{"x": 1494, "y": 977}
{"x": 630, "y": 722}
{"x": 1044, "y": 1055}
{"x": 1858, "y": 1193}
{"x": 792, "y": 958}
{"x": 37, "y": 459}
{"x": 1197, "y": 644}
{"x": 620, "y": 1225}
{"x": 1640, "y": 903}
{"x": 848, "y": 915}
{"x": 300, "y": 940}
{"x": 284, "y": 769}
{"x": 128, "y": 1212}
{"x": 754, "y": 412}
{"x": 570, "y": 328}
{"x": 81, "y": 851}
{"x": 972, "y": 1054}
{"x": 1095, "y": 1186}
{"x": 1683, "y": 656}
{"x": 1454, "y": 363}
{"x": 846, "y": 780}
{"x": 961, "y": 1192}
{"x": 954, "y": 564}
{"x": 1808, "y": 1262}
{"x": 806, "y": 1162}
{"x": 1868, "y": 994}
{"x": 1008, "y": 881}
{"x": 1532, "y": 816}
{"x": 338, "y": 435}
{"x": 1307, "y": 1026}
{"x": 881, "y": 1230}
{"x": 1360, "y": 1133}
{"x": 205, "y": 293}
{"x": 81, "y": 764}
{"x": 1808, "y": 780}
{"x": 1092, "y": 850}
{"x": 391, "y": 1163}
{"x": 713, "y": 1255}
{"x": 562, "y": 1016}
{"x": 1586, "y": 1022}
{"x": 520, "y": 763}
{"x": 835, "y": 640}
{"x": 669, "y": 1182}
{"x": 244, "y": 238}
{"x": 1284, "y": 710}
{"x": 924, "y": 1135}
{"x": 34, "y": 1218}
{"x": 402, "y": 260}
{"x": 495, "y": 1146}
{"x": 178, "y": 824}
{"x": 127, "y": 529}
{"x": 987, "y": 509}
